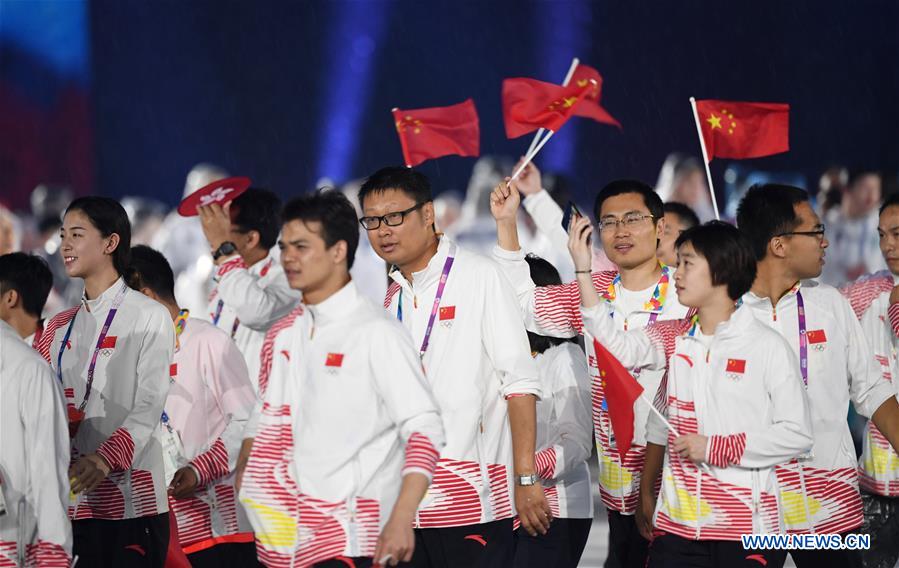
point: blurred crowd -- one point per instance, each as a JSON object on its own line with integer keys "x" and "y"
{"x": 847, "y": 201}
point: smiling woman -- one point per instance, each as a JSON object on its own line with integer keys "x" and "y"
{"x": 117, "y": 475}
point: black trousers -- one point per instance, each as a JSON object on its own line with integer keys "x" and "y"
{"x": 829, "y": 558}
{"x": 490, "y": 545}
{"x": 136, "y": 543}
{"x": 627, "y": 547}
{"x": 882, "y": 523}
{"x": 354, "y": 562}
{"x": 560, "y": 547}
{"x": 671, "y": 551}
{"x": 226, "y": 555}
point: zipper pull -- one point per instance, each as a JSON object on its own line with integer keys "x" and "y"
{"x": 415, "y": 301}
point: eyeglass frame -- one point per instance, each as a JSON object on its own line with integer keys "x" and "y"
{"x": 383, "y": 218}
{"x": 623, "y": 221}
{"x": 818, "y": 234}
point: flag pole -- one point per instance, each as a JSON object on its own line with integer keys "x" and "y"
{"x": 402, "y": 140}
{"x": 531, "y": 155}
{"x": 705, "y": 157}
{"x": 574, "y": 63}
{"x": 660, "y": 416}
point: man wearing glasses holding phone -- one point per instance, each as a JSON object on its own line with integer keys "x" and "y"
{"x": 462, "y": 314}
{"x": 640, "y": 293}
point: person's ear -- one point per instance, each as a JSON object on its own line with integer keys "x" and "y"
{"x": 253, "y": 239}
{"x": 112, "y": 244}
{"x": 339, "y": 252}
{"x": 778, "y": 247}
{"x": 11, "y": 299}
{"x": 427, "y": 213}
{"x": 660, "y": 226}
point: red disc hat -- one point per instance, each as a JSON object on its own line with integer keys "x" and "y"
{"x": 218, "y": 191}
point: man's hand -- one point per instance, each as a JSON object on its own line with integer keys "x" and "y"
{"x": 184, "y": 484}
{"x": 533, "y": 510}
{"x": 504, "y": 202}
{"x": 397, "y": 541}
{"x": 216, "y": 222}
{"x": 579, "y": 243}
{"x": 692, "y": 446}
{"x": 87, "y": 473}
{"x": 894, "y": 295}
{"x": 645, "y": 512}
{"x": 528, "y": 181}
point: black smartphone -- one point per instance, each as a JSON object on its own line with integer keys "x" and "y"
{"x": 570, "y": 213}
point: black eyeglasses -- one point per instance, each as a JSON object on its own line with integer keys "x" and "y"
{"x": 391, "y": 219}
{"x": 817, "y": 233}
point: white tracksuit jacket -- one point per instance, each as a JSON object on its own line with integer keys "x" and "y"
{"x": 478, "y": 356}
{"x": 741, "y": 389}
{"x": 346, "y": 413}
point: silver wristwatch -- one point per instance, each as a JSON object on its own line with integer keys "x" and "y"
{"x": 525, "y": 480}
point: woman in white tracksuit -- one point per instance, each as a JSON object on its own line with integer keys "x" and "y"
{"x": 734, "y": 402}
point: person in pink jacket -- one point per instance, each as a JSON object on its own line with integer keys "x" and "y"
{"x": 210, "y": 401}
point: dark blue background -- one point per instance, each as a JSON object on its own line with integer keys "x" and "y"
{"x": 289, "y": 92}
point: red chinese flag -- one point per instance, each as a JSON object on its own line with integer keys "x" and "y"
{"x": 736, "y": 366}
{"x": 621, "y": 391}
{"x": 427, "y": 133}
{"x": 529, "y": 104}
{"x": 817, "y": 336}
{"x": 739, "y": 130}
{"x": 590, "y": 107}
{"x": 334, "y": 360}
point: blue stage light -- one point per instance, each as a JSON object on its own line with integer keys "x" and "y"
{"x": 357, "y": 32}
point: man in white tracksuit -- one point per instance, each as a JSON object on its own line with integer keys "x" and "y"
{"x": 462, "y": 315}
{"x": 348, "y": 433}
{"x": 34, "y": 487}
{"x": 819, "y": 491}
{"x": 875, "y": 301}
{"x": 251, "y": 292}
{"x": 639, "y": 293}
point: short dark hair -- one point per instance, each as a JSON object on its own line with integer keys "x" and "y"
{"x": 334, "y": 212}
{"x": 150, "y": 269}
{"x": 858, "y": 173}
{"x": 768, "y": 210}
{"x": 28, "y": 275}
{"x": 414, "y": 184}
{"x": 543, "y": 273}
{"x": 257, "y": 210}
{"x": 728, "y": 252}
{"x": 622, "y": 186}
{"x": 109, "y": 217}
{"x": 890, "y": 201}
{"x": 686, "y": 215}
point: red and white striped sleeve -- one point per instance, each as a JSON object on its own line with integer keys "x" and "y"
{"x": 212, "y": 464}
{"x": 44, "y": 344}
{"x": 724, "y": 451}
{"x": 421, "y": 455}
{"x": 554, "y": 311}
{"x": 118, "y": 450}
{"x": 545, "y": 461}
{"x": 893, "y": 314}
